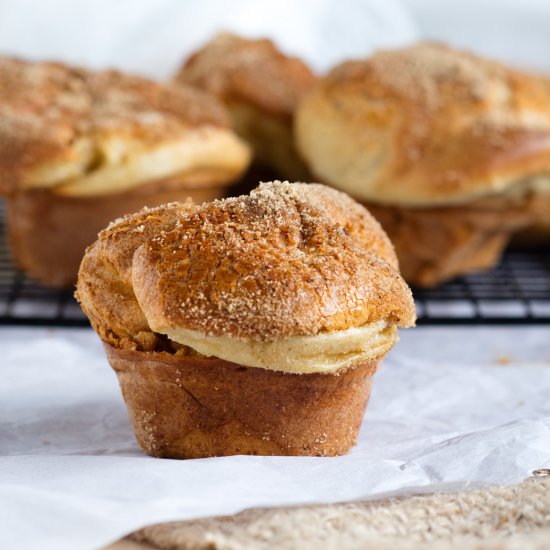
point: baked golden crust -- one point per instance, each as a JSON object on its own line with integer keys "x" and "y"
{"x": 425, "y": 125}
{"x": 253, "y": 71}
{"x": 59, "y": 123}
{"x": 261, "y": 87}
{"x": 194, "y": 407}
{"x": 265, "y": 266}
{"x": 278, "y": 262}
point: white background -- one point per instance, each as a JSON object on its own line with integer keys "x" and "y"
{"x": 152, "y": 36}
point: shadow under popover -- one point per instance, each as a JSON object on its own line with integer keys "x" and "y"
{"x": 249, "y": 325}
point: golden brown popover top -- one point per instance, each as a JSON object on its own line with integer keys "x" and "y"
{"x": 425, "y": 125}
{"x": 253, "y": 71}
{"x": 278, "y": 262}
{"x": 58, "y": 123}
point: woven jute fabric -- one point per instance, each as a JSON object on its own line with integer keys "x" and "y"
{"x": 504, "y": 518}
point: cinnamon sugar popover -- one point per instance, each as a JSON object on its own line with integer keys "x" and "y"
{"x": 261, "y": 88}
{"x": 447, "y": 150}
{"x": 249, "y": 325}
{"x": 80, "y": 148}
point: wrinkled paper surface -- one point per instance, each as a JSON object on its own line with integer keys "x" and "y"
{"x": 451, "y": 408}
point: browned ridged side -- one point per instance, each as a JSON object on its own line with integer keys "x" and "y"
{"x": 437, "y": 244}
{"x": 186, "y": 407}
{"x": 49, "y": 233}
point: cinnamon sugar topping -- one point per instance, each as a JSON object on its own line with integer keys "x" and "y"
{"x": 425, "y": 125}
{"x": 54, "y": 115}
{"x": 266, "y": 265}
{"x": 282, "y": 261}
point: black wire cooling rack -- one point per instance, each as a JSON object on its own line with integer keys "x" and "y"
{"x": 516, "y": 292}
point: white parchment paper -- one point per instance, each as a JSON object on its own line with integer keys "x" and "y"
{"x": 450, "y": 408}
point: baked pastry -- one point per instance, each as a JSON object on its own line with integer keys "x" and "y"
{"x": 250, "y": 325}
{"x": 80, "y": 148}
{"x": 444, "y": 146}
{"x": 261, "y": 87}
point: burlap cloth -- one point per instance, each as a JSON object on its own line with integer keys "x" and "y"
{"x": 503, "y": 518}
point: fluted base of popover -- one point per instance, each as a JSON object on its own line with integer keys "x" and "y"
{"x": 48, "y": 232}
{"x": 194, "y": 407}
{"x": 436, "y": 244}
